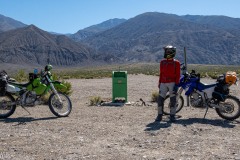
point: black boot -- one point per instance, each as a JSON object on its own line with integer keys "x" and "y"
{"x": 172, "y": 118}
{"x": 158, "y": 118}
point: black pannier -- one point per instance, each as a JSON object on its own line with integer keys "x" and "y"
{"x": 221, "y": 89}
{"x": 2, "y": 87}
{"x": 3, "y": 82}
{"x": 222, "y": 86}
{"x": 220, "y": 92}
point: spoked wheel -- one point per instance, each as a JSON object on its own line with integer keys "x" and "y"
{"x": 60, "y": 109}
{"x": 166, "y": 108}
{"x": 7, "y": 105}
{"x": 229, "y": 109}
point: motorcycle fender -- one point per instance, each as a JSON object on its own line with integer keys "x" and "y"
{"x": 59, "y": 86}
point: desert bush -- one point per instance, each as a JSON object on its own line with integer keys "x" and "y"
{"x": 154, "y": 97}
{"x": 94, "y": 101}
{"x": 21, "y": 76}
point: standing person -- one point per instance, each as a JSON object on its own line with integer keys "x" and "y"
{"x": 168, "y": 79}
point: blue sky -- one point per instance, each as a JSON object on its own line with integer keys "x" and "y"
{"x": 69, "y": 16}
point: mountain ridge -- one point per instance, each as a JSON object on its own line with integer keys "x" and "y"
{"x": 91, "y": 30}
{"x": 7, "y": 23}
{"x": 208, "y": 39}
{"x": 141, "y": 39}
{"x": 31, "y": 45}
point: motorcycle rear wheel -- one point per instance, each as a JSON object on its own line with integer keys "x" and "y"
{"x": 60, "y": 109}
{"x": 231, "y": 110}
{"x": 166, "y": 108}
{"x": 6, "y": 110}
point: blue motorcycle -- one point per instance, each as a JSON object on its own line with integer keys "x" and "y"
{"x": 205, "y": 96}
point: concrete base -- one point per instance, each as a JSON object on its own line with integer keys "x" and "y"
{"x": 113, "y": 104}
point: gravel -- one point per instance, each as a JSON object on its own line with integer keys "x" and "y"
{"x": 118, "y": 132}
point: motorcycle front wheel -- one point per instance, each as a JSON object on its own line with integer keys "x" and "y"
{"x": 60, "y": 109}
{"x": 179, "y": 105}
{"x": 229, "y": 109}
{"x": 7, "y": 105}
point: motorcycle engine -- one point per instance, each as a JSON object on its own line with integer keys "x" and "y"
{"x": 196, "y": 100}
{"x": 28, "y": 98}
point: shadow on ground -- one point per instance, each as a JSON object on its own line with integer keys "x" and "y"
{"x": 214, "y": 122}
{"x": 185, "y": 122}
{"x": 24, "y": 120}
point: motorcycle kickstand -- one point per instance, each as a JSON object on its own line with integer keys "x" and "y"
{"x": 26, "y": 110}
{"x": 205, "y": 112}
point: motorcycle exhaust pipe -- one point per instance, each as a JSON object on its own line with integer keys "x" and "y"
{"x": 8, "y": 104}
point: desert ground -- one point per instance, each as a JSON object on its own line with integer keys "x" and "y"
{"x": 118, "y": 132}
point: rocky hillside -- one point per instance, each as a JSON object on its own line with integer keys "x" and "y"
{"x": 31, "y": 45}
{"x": 89, "y": 31}
{"x": 223, "y": 22}
{"x": 140, "y": 39}
{"x": 208, "y": 40}
{"x": 7, "y": 23}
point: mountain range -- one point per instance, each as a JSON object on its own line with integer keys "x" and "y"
{"x": 141, "y": 39}
{"x": 31, "y": 45}
{"x": 208, "y": 40}
{"x": 89, "y": 31}
{"x": 7, "y": 23}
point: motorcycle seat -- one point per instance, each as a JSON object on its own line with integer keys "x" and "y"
{"x": 202, "y": 86}
{"x": 20, "y": 84}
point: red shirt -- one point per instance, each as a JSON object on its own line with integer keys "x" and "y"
{"x": 169, "y": 71}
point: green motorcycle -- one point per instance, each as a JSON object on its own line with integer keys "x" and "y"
{"x": 13, "y": 94}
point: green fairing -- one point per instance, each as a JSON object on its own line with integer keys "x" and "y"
{"x": 59, "y": 86}
{"x": 37, "y": 86}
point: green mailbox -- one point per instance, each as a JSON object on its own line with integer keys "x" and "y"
{"x": 119, "y": 86}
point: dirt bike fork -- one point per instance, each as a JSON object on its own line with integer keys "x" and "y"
{"x": 55, "y": 92}
{"x": 179, "y": 93}
{"x": 180, "y": 90}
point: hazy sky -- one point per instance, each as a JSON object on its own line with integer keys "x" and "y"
{"x": 69, "y": 16}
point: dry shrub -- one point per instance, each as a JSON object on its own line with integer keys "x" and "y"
{"x": 154, "y": 97}
{"x": 94, "y": 101}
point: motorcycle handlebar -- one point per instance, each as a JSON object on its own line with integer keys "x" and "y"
{"x": 193, "y": 74}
